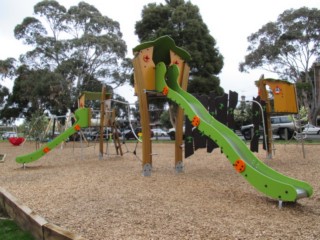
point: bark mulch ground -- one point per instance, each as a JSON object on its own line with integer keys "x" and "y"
{"x": 110, "y": 199}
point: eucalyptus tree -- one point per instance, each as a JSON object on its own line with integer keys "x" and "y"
{"x": 71, "y": 50}
{"x": 4, "y": 91}
{"x": 7, "y": 69}
{"x": 289, "y": 47}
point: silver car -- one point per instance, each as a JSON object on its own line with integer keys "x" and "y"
{"x": 311, "y": 129}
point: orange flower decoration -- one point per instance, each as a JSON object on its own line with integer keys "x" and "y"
{"x": 77, "y": 127}
{"x": 195, "y": 121}
{"x": 46, "y": 150}
{"x": 239, "y": 165}
{"x": 165, "y": 90}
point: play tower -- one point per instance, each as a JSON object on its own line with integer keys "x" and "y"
{"x": 146, "y": 56}
{"x": 161, "y": 70}
{"x": 284, "y": 101}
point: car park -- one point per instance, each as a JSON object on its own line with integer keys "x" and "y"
{"x": 159, "y": 132}
{"x": 8, "y": 135}
{"x": 310, "y": 129}
{"x": 128, "y": 134}
{"x": 281, "y": 125}
{"x": 93, "y": 134}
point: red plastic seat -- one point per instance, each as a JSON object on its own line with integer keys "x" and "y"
{"x": 16, "y": 141}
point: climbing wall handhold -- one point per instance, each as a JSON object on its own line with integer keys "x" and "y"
{"x": 165, "y": 90}
{"x": 195, "y": 121}
{"x": 239, "y": 165}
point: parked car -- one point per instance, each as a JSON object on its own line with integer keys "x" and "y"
{"x": 279, "y": 125}
{"x": 128, "y": 134}
{"x": 8, "y": 135}
{"x": 310, "y": 129}
{"x": 172, "y": 133}
{"x": 94, "y": 134}
{"x": 159, "y": 132}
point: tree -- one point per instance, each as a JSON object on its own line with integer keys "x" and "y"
{"x": 72, "y": 50}
{"x": 7, "y": 68}
{"x": 4, "y": 91}
{"x": 289, "y": 47}
{"x": 39, "y": 90}
{"x": 182, "y": 22}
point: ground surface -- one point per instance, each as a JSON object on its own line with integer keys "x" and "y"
{"x": 109, "y": 199}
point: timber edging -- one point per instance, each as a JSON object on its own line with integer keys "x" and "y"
{"x": 29, "y": 221}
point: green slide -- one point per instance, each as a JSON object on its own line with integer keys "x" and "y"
{"x": 258, "y": 174}
{"x": 82, "y": 116}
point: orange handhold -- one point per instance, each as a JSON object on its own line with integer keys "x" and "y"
{"x": 165, "y": 90}
{"x": 239, "y": 165}
{"x": 46, "y": 150}
{"x": 77, "y": 127}
{"x": 195, "y": 121}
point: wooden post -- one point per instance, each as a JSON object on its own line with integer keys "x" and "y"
{"x": 179, "y": 124}
{"x": 102, "y": 113}
{"x": 316, "y": 67}
{"x": 144, "y": 113}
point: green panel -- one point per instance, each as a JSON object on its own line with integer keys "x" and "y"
{"x": 82, "y": 116}
{"x": 258, "y": 174}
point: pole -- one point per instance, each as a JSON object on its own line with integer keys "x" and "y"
{"x": 263, "y": 123}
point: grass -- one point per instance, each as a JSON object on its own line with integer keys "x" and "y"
{"x": 9, "y": 230}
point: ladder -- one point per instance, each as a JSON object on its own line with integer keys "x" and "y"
{"x": 116, "y": 139}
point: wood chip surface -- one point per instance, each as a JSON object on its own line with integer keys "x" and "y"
{"x": 110, "y": 199}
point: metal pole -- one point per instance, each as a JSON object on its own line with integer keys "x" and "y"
{"x": 263, "y": 123}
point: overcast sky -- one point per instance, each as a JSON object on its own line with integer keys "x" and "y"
{"x": 229, "y": 22}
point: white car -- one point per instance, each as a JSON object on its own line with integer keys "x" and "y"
{"x": 172, "y": 133}
{"x": 8, "y": 135}
{"x": 310, "y": 129}
{"x": 159, "y": 132}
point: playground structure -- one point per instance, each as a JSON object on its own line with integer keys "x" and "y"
{"x": 222, "y": 108}
{"x": 284, "y": 102}
{"x": 161, "y": 69}
{"x": 83, "y": 120}
{"x": 146, "y": 55}
{"x": 107, "y": 118}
